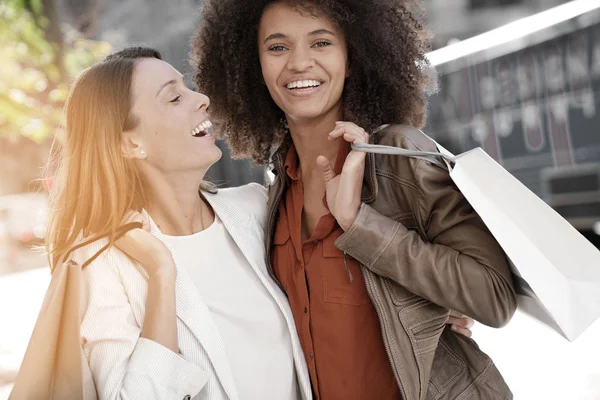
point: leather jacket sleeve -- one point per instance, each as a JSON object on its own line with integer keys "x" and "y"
{"x": 459, "y": 266}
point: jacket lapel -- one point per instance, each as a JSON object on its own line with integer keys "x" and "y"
{"x": 248, "y": 234}
{"x": 193, "y": 312}
{"x": 243, "y": 228}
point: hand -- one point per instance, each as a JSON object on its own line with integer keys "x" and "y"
{"x": 147, "y": 250}
{"x": 460, "y": 323}
{"x": 343, "y": 191}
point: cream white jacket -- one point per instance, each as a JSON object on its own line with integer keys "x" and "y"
{"x": 125, "y": 366}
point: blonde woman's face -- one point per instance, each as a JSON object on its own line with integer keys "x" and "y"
{"x": 173, "y": 132}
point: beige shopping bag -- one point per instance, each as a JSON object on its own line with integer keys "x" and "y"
{"x": 54, "y": 367}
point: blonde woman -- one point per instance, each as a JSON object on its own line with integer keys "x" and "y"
{"x": 201, "y": 319}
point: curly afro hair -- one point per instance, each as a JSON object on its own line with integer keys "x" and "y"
{"x": 386, "y": 41}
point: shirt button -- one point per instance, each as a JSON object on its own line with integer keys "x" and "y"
{"x": 187, "y": 397}
{"x": 315, "y": 241}
{"x": 305, "y": 310}
{"x": 310, "y": 355}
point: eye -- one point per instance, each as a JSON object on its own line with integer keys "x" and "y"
{"x": 277, "y": 47}
{"x": 175, "y": 100}
{"x": 322, "y": 43}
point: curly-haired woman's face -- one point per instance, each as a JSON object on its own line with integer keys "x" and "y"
{"x": 173, "y": 123}
{"x": 304, "y": 62}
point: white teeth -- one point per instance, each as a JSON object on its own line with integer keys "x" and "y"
{"x": 303, "y": 84}
{"x": 203, "y": 126}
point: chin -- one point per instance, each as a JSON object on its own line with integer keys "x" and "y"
{"x": 204, "y": 159}
{"x": 219, "y": 154}
{"x": 306, "y": 115}
{"x": 308, "y": 112}
{"x": 215, "y": 155}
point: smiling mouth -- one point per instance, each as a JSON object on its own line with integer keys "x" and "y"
{"x": 203, "y": 129}
{"x": 306, "y": 85}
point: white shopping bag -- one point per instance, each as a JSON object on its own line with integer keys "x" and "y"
{"x": 556, "y": 270}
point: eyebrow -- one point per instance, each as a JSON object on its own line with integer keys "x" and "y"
{"x": 164, "y": 85}
{"x": 313, "y": 33}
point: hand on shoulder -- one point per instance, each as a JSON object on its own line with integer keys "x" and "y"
{"x": 150, "y": 252}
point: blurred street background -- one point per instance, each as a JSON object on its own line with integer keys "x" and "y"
{"x": 529, "y": 95}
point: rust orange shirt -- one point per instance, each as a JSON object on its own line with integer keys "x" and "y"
{"x": 338, "y": 326}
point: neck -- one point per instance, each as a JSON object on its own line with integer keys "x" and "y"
{"x": 310, "y": 139}
{"x": 174, "y": 203}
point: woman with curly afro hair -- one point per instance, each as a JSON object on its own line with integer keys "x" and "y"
{"x": 390, "y": 73}
{"x": 373, "y": 251}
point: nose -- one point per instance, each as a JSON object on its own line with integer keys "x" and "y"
{"x": 300, "y": 59}
{"x": 202, "y": 101}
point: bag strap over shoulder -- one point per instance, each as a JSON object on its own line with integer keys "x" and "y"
{"x": 442, "y": 159}
{"x": 432, "y": 157}
{"x": 120, "y": 232}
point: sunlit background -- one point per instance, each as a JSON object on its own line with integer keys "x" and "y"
{"x": 525, "y": 93}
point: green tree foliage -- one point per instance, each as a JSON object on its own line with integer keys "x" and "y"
{"x": 38, "y": 60}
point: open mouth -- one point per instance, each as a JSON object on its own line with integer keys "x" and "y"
{"x": 299, "y": 86}
{"x": 203, "y": 129}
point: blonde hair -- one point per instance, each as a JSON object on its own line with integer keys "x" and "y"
{"x": 95, "y": 184}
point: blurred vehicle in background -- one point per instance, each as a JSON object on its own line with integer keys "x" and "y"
{"x": 533, "y": 104}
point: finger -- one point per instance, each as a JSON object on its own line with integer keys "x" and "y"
{"x": 145, "y": 224}
{"x": 129, "y": 215}
{"x": 350, "y": 126}
{"x": 464, "y": 322}
{"x": 352, "y": 175}
{"x": 350, "y": 134}
{"x": 135, "y": 216}
{"x": 132, "y": 216}
{"x": 462, "y": 331}
{"x": 347, "y": 124}
{"x": 456, "y": 314}
{"x": 355, "y": 161}
{"x": 326, "y": 168}
{"x": 138, "y": 217}
{"x": 337, "y": 132}
{"x": 355, "y": 137}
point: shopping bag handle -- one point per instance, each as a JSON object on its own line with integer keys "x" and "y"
{"x": 120, "y": 232}
{"x": 432, "y": 157}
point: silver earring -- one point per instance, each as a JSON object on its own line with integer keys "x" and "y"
{"x": 142, "y": 152}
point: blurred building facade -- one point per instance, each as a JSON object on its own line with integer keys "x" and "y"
{"x": 461, "y": 19}
{"x": 533, "y": 105}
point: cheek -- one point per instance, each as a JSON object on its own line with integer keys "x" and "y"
{"x": 163, "y": 129}
{"x": 341, "y": 70}
{"x": 271, "y": 69}
{"x": 269, "y": 76}
{"x": 151, "y": 119}
{"x": 337, "y": 72}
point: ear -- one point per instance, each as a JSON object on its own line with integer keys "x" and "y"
{"x": 131, "y": 146}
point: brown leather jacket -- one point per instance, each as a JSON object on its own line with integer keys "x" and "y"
{"x": 423, "y": 251}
